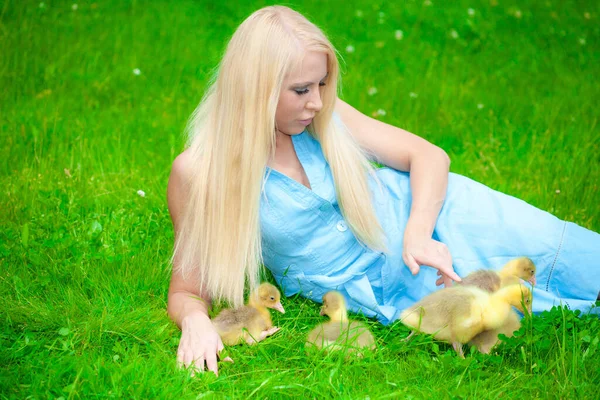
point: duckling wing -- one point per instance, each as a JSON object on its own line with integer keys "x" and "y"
{"x": 445, "y": 311}
{"x": 236, "y": 319}
{"x": 362, "y": 334}
{"x": 316, "y": 337}
{"x": 336, "y": 335}
{"x": 483, "y": 279}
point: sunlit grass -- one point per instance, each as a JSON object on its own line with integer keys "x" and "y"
{"x": 92, "y": 108}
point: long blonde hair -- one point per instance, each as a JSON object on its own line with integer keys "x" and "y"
{"x": 232, "y": 138}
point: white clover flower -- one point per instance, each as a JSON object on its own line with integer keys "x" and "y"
{"x": 380, "y": 112}
{"x": 372, "y": 91}
{"x": 518, "y": 14}
{"x": 349, "y": 49}
{"x": 471, "y": 12}
{"x": 42, "y": 5}
{"x": 454, "y": 34}
{"x": 137, "y": 71}
{"x": 581, "y": 41}
{"x": 359, "y": 13}
{"x": 413, "y": 95}
{"x": 399, "y": 34}
{"x": 427, "y": 3}
{"x": 480, "y": 106}
{"x": 557, "y": 191}
{"x": 74, "y": 7}
{"x": 141, "y": 193}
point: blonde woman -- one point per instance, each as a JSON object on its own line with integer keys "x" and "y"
{"x": 277, "y": 172}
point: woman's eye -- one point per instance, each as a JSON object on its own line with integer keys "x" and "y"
{"x": 301, "y": 91}
{"x": 321, "y": 83}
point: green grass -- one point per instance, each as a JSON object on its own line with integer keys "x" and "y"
{"x": 85, "y": 260}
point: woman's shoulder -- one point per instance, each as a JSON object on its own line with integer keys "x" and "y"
{"x": 181, "y": 169}
{"x": 181, "y": 175}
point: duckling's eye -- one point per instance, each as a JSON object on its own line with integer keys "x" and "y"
{"x": 272, "y": 298}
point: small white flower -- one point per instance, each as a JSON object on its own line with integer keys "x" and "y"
{"x": 581, "y": 41}
{"x": 557, "y": 191}
{"x": 141, "y": 193}
{"x": 413, "y": 95}
{"x": 480, "y": 106}
{"x": 137, "y": 71}
{"x": 454, "y": 34}
{"x": 42, "y": 5}
{"x": 399, "y": 34}
{"x": 471, "y": 12}
{"x": 427, "y": 3}
{"x": 349, "y": 49}
{"x": 74, "y": 7}
{"x": 518, "y": 14}
{"x": 359, "y": 13}
{"x": 372, "y": 91}
{"x": 381, "y": 112}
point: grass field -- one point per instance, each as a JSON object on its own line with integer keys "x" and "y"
{"x": 94, "y": 97}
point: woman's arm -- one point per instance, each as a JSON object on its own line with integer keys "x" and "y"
{"x": 187, "y": 306}
{"x": 428, "y": 166}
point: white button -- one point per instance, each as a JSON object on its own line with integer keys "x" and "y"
{"x": 341, "y": 226}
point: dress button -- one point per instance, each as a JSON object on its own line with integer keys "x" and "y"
{"x": 341, "y": 226}
{"x": 323, "y": 207}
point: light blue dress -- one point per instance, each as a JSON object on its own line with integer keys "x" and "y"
{"x": 310, "y": 249}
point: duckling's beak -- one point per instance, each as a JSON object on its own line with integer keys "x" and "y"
{"x": 322, "y": 312}
{"x": 532, "y": 280}
{"x": 279, "y": 307}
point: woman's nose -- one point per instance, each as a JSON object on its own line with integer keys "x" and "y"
{"x": 315, "y": 103}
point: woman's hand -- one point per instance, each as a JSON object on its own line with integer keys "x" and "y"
{"x": 424, "y": 250}
{"x": 200, "y": 344}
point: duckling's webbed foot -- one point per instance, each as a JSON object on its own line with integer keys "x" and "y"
{"x": 459, "y": 349}
{"x": 262, "y": 336}
{"x": 406, "y": 339}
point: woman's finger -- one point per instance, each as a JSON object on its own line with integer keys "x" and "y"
{"x": 447, "y": 281}
{"x": 412, "y": 264}
{"x": 188, "y": 358}
{"x": 448, "y": 273}
{"x": 180, "y": 358}
{"x": 211, "y": 362}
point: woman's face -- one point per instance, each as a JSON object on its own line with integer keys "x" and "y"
{"x": 300, "y": 97}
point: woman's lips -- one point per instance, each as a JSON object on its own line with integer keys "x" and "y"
{"x": 306, "y": 122}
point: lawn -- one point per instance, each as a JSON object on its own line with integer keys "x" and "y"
{"x": 93, "y": 102}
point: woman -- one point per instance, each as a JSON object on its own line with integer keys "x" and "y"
{"x": 277, "y": 172}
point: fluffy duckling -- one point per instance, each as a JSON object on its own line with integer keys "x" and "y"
{"x": 519, "y": 268}
{"x": 457, "y": 314}
{"x": 511, "y": 273}
{"x": 339, "y": 333}
{"x": 250, "y": 323}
